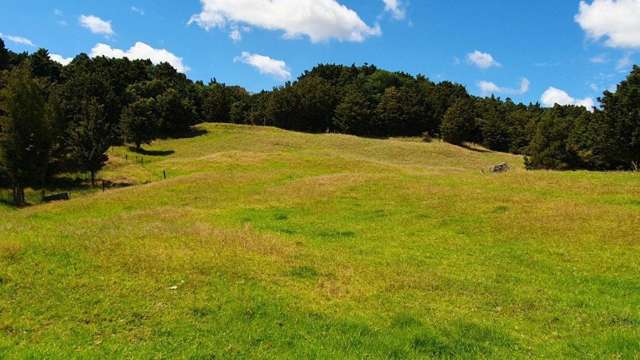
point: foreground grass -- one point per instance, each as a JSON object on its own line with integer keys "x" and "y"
{"x": 271, "y": 244}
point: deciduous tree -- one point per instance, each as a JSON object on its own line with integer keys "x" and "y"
{"x": 138, "y": 122}
{"x": 89, "y": 137}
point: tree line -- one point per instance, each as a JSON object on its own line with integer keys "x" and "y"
{"x": 367, "y": 101}
{"x": 58, "y": 119}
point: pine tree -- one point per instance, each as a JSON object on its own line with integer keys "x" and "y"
{"x": 493, "y": 124}
{"x": 353, "y": 113}
{"x": 4, "y": 56}
{"x": 239, "y": 112}
{"x": 440, "y": 98}
{"x": 549, "y": 148}
{"x": 25, "y": 138}
{"x": 283, "y": 107}
{"x": 620, "y": 143}
{"x": 216, "y": 104}
{"x": 459, "y": 123}
{"x": 317, "y": 103}
{"x": 389, "y": 115}
{"x": 43, "y": 67}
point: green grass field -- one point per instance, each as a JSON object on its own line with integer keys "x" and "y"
{"x": 264, "y": 243}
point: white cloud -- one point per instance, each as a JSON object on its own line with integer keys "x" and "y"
{"x": 96, "y": 25}
{"x": 141, "y": 51}
{"x": 235, "y": 35}
{"x": 320, "y": 20}
{"x": 624, "y": 64}
{"x": 488, "y": 88}
{"x": 482, "y": 60}
{"x": 265, "y": 65}
{"x": 60, "y": 59}
{"x": 599, "y": 59}
{"x": 60, "y": 14}
{"x": 17, "y": 39}
{"x": 137, "y": 10}
{"x": 395, "y": 8}
{"x": 616, "y": 20}
{"x": 553, "y": 96}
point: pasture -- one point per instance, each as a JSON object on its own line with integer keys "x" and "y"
{"x": 263, "y": 243}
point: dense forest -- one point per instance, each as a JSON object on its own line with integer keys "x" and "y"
{"x": 60, "y": 119}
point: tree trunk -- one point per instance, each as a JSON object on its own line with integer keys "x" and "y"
{"x": 93, "y": 179}
{"x": 23, "y": 201}
{"x": 18, "y": 196}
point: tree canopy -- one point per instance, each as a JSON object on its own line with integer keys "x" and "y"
{"x": 64, "y": 118}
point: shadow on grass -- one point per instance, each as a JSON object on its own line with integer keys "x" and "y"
{"x": 72, "y": 186}
{"x": 6, "y": 202}
{"x": 152, "y": 152}
{"x": 66, "y": 184}
{"x": 189, "y": 134}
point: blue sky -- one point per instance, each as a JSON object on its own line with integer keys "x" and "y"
{"x": 561, "y": 51}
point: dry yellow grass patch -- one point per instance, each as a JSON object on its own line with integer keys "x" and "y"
{"x": 10, "y": 250}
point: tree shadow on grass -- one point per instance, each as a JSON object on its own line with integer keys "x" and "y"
{"x": 152, "y": 152}
{"x": 189, "y": 134}
{"x": 62, "y": 184}
{"x": 6, "y": 202}
{"x": 65, "y": 183}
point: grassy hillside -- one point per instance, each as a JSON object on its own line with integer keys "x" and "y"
{"x": 266, "y": 243}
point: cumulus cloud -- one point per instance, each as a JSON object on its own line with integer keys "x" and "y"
{"x": 141, "y": 51}
{"x": 482, "y": 60}
{"x": 614, "y": 20}
{"x": 488, "y": 88}
{"x": 396, "y": 8}
{"x": 96, "y": 25}
{"x": 320, "y": 20}
{"x": 17, "y": 39}
{"x": 265, "y": 65}
{"x": 60, "y": 59}
{"x": 553, "y": 96}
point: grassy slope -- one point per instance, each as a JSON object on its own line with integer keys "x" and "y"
{"x": 266, "y": 243}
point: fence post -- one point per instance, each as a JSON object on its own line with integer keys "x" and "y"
{"x": 164, "y": 174}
